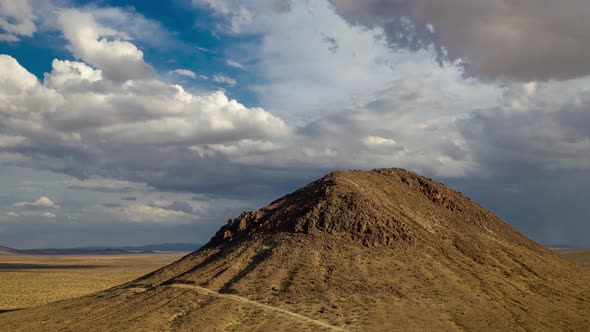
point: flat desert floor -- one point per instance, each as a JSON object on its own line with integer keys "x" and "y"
{"x": 580, "y": 256}
{"x": 32, "y": 280}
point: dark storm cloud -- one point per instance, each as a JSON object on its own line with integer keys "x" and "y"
{"x": 522, "y": 40}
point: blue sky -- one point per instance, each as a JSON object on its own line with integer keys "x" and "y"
{"x": 133, "y": 122}
{"x": 182, "y": 36}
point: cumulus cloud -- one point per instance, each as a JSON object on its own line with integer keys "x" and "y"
{"x": 16, "y": 19}
{"x": 109, "y": 127}
{"x": 80, "y": 122}
{"x": 219, "y": 78}
{"x": 521, "y": 40}
{"x": 103, "y": 47}
{"x": 185, "y": 72}
{"x": 42, "y": 202}
{"x": 16, "y": 79}
{"x": 141, "y": 213}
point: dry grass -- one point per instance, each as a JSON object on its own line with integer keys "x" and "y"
{"x": 32, "y": 280}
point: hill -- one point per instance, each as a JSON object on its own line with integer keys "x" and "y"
{"x": 380, "y": 250}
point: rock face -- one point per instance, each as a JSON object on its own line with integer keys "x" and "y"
{"x": 380, "y": 250}
{"x": 382, "y": 207}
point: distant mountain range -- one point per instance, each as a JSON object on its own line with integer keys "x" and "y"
{"x": 106, "y": 250}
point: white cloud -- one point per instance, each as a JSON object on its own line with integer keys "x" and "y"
{"x": 15, "y": 78}
{"x": 125, "y": 126}
{"x": 375, "y": 141}
{"x": 70, "y": 74}
{"x": 42, "y": 202}
{"x": 16, "y": 19}
{"x": 245, "y": 151}
{"x": 199, "y": 119}
{"x": 185, "y": 72}
{"x": 224, "y": 79}
{"x": 236, "y": 13}
{"x": 235, "y": 64}
{"x": 87, "y": 102}
{"x": 103, "y": 47}
{"x": 83, "y": 122}
{"x": 141, "y": 213}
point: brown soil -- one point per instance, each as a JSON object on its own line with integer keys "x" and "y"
{"x": 362, "y": 251}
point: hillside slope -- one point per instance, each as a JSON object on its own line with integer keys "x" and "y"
{"x": 380, "y": 250}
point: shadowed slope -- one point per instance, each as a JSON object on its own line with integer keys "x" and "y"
{"x": 380, "y": 250}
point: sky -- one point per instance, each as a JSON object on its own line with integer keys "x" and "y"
{"x": 136, "y": 122}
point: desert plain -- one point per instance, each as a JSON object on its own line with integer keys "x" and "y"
{"x": 33, "y": 280}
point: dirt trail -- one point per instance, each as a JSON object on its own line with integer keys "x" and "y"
{"x": 263, "y": 306}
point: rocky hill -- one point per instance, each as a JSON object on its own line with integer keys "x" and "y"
{"x": 380, "y": 250}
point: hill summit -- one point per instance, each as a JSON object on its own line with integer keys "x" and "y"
{"x": 382, "y": 207}
{"x": 381, "y": 250}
